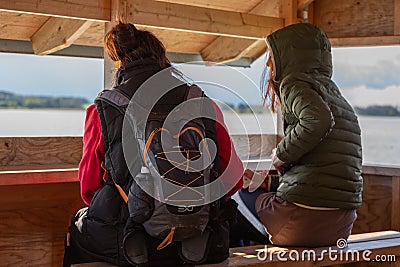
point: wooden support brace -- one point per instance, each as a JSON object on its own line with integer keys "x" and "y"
{"x": 57, "y": 33}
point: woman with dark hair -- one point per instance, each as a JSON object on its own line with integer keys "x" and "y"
{"x": 313, "y": 201}
{"x": 98, "y": 233}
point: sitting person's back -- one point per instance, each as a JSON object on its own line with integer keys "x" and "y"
{"x": 125, "y": 224}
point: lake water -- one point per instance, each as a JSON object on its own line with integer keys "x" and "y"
{"x": 380, "y": 135}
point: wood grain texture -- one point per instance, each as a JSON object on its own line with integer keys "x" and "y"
{"x": 396, "y": 203}
{"x": 231, "y": 5}
{"x": 19, "y": 26}
{"x": 40, "y": 152}
{"x": 355, "y": 18}
{"x": 288, "y": 11}
{"x": 365, "y": 41}
{"x": 34, "y": 221}
{"x": 38, "y": 177}
{"x": 201, "y": 20}
{"x": 375, "y": 212}
{"x": 225, "y": 49}
{"x": 89, "y": 10}
{"x": 57, "y": 33}
{"x": 383, "y": 170}
{"x": 396, "y": 17}
{"x": 20, "y": 197}
{"x": 94, "y": 36}
{"x": 301, "y": 4}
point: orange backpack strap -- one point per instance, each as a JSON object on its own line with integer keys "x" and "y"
{"x": 119, "y": 188}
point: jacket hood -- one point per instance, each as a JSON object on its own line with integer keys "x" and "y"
{"x": 302, "y": 48}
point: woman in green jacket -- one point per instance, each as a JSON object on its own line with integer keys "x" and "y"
{"x": 314, "y": 201}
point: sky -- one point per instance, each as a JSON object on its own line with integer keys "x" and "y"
{"x": 365, "y": 75}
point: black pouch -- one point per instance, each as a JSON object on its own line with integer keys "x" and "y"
{"x": 134, "y": 247}
{"x": 218, "y": 243}
{"x": 140, "y": 204}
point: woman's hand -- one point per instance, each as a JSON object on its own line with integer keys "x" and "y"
{"x": 279, "y": 165}
{"x": 253, "y": 180}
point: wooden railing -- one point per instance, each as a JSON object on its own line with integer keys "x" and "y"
{"x": 39, "y": 191}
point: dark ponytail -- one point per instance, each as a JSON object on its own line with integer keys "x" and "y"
{"x": 124, "y": 43}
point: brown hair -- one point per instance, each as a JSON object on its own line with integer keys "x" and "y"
{"x": 268, "y": 87}
{"x": 124, "y": 43}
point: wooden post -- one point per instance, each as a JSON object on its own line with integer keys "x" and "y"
{"x": 118, "y": 13}
{"x": 311, "y": 13}
{"x": 395, "y": 225}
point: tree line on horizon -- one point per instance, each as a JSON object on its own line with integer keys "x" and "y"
{"x": 10, "y": 100}
{"x": 378, "y": 110}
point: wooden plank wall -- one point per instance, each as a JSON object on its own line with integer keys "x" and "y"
{"x": 35, "y": 207}
{"x": 375, "y": 212}
{"x": 381, "y": 200}
{"x": 34, "y": 221}
{"x": 34, "y": 216}
{"x": 30, "y": 153}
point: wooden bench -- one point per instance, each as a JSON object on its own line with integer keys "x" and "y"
{"x": 369, "y": 249}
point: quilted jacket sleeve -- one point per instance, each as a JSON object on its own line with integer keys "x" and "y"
{"x": 314, "y": 121}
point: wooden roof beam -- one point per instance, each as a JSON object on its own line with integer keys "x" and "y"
{"x": 197, "y": 19}
{"x": 226, "y": 49}
{"x": 97, "y": 10}
{"x": 223, "y": 50}
{"x": 301, "y": 4}
{"x": 365, "y": 41}
{"x": 359, "y": 23}
{"x": 57, "y": 33}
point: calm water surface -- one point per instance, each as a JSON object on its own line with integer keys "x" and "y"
{"x": 380, "y": 135}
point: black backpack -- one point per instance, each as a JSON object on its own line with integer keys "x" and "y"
{"x": 169, "y": 201}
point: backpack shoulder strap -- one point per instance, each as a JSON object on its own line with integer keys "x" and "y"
{"x": 115, "y": 98}
{"x": 193, "y": 91}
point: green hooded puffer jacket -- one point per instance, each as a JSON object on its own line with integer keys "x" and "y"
{"x": 322, "y": 142}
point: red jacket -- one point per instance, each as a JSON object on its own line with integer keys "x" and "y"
{"x": 90, "y": 171}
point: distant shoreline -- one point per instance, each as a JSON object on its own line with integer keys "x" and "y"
{"x": 224, "y": 111}
{"x": 14, "y": 101}
{"x": 24, "y": 108}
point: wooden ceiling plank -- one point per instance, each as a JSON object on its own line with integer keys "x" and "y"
{"x": 57, "y": 33}
{"x": 97, "y": 10}
{"x": 225, "y": 49}
{"x": 365, "y": 41}
{"x": 201, "y": 20}
{"x": 360, "y": 18}
{"x": 231, "y": 5}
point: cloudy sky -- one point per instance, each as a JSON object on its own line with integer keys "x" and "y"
{"x": 366, "y": 76}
